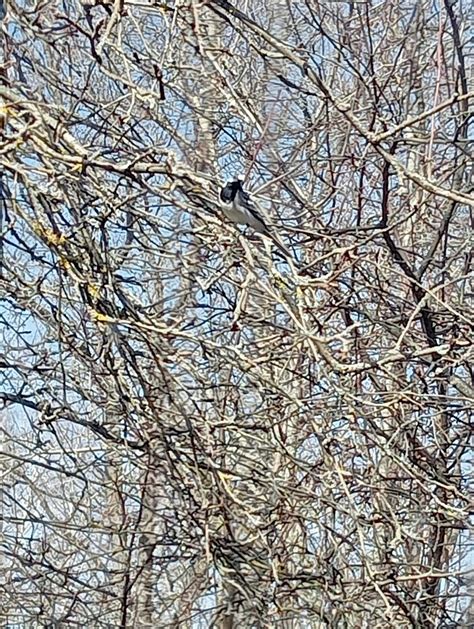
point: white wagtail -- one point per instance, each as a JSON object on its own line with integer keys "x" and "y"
{"x": 239, "y": 208}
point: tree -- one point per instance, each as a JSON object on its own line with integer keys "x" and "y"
{"x": 197, "y": 433}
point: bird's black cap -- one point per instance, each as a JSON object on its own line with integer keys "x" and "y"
{"x": 229, "y": 191}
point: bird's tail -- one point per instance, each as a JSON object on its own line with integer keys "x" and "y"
{"x": 281, "y": 247}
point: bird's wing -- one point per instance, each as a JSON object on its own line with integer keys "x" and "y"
{"x": 246, "y": 201}
{"x": 247, "y": 204}
{"x": 259, "y": 225}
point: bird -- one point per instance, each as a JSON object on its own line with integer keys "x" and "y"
{"x": 238, "y": 207}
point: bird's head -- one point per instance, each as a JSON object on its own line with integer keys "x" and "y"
{"x": 229, "y": 191}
